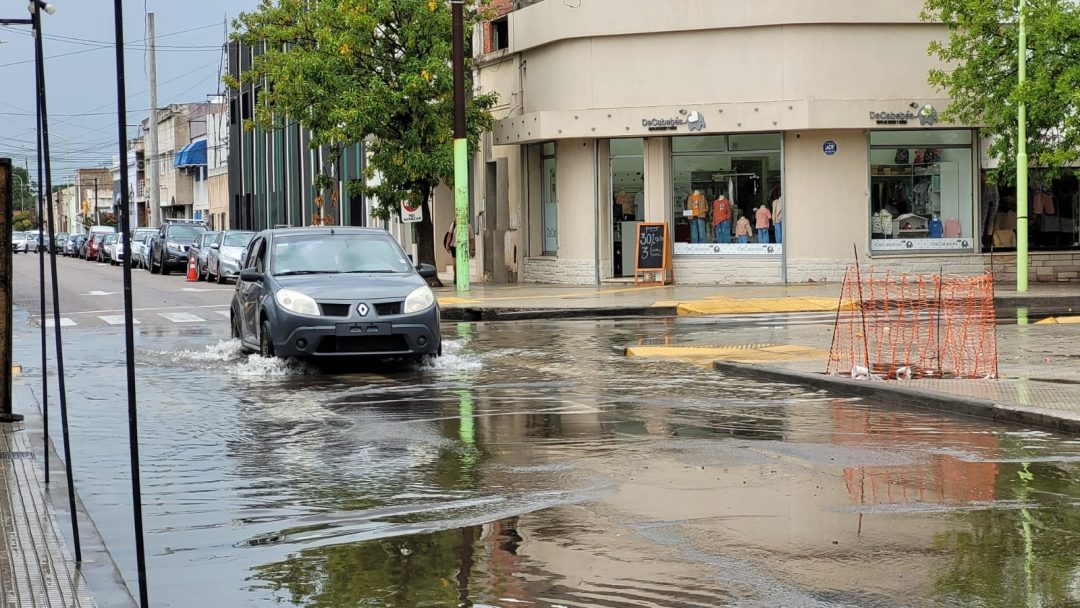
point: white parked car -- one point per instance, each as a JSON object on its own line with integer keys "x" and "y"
{"x": 140, "y": 246}
{"x": 19, "y": 242}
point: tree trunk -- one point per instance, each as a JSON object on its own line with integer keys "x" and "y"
{"x": 425, "y": 235}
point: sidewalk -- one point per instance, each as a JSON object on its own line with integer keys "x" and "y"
{"x": 526, "y": 301}
{"x": 1039, "y": 369}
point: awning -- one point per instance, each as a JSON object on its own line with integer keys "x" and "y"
{"x": 192, "y": 155}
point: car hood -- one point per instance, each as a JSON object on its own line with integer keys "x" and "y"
{"x": 353, "y": 286}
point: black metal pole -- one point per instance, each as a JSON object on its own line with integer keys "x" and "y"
{"x": 97, "y": 214}
{"x": 41, "y": 258}
{"x": 7, "y": 416}
{"x": 57, "y": 329}
{"x": 129, "y": 328}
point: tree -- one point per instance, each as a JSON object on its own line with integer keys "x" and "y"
{"x": 981, "y": 76}
{"x": 376, "y": 71}
{"x": 23, "y": 196}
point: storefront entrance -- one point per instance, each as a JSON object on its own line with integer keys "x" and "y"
{"x": 627, "y": 197}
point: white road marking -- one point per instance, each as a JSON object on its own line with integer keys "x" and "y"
{"x": 202, "y": 289}
{"x": 181, "y": 317}
{"x": 224, "y": 313}
{"x": 117, "y": 320}
{"x": 101, "y": 293}
{"x": 64, "y": 322}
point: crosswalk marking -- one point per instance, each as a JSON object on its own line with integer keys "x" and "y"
{"x": 223, "y": 313}
{"x": 64, "y": 322}
{"x": 181, "y": 317}
{"x": 117, "y": 320}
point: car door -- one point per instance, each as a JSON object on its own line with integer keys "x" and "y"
{"x": 213, "y": 257}
{"x": 249, "y": 292}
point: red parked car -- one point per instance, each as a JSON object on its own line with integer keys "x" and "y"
{"x": 94, "y": 245}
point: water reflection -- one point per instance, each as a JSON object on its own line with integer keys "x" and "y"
{"x": 533, "y": 465}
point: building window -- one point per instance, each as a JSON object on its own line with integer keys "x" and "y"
{"x": 921, "y": 194}
{"x": 549, "y": 200}
{"x": 727, "y": 198}
{"x": 500, "y": 34}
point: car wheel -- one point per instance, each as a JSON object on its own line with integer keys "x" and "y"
{"x": 220, "y": 278}
{"x": 162, "y": 268}
{"x": 234, "y": 326}
{"x": 266, "y": 345}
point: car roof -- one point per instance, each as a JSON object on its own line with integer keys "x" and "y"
{"x": 276, "y": 232}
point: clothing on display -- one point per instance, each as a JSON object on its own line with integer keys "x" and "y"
{"x": 951, "y": 228}
{"x": 762, "y": 217}
{"x": 763, "y": 235}
{"x": 721, "y": 210}
{"x": 1043, "y": 204}
{"x": 742, "y": 229}
{"x": 936, "y": 228}
{"x": 696, "y": 204}
{"x": 723, "y": 232}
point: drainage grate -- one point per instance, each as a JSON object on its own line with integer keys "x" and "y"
{"x": 15, "y": 455}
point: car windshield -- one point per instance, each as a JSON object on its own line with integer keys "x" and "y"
{"x": 185, "y": 232}
{"x": 238, "y": 239}
{"x": 110, "y": 239}
{"x": 334, "y": 253}
{"x": 142, "y": 234}
{"x": 209, "y": 237}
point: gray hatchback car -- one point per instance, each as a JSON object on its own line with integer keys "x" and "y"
{"x": 333, "y": 292}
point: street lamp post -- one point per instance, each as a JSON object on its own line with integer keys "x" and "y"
{"x": 1022, "y": 161}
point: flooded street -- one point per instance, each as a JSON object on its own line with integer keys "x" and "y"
{"x": 535, "y": 466}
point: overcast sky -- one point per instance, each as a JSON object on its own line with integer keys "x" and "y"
{"x": 81, "y": 72}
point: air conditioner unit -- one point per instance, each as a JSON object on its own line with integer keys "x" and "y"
{"x": 140, "y": 165}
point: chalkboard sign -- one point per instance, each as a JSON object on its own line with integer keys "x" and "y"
{"x": 653, "y": 253}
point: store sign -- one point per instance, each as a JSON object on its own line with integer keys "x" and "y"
{"x": 829, "y": 147}
{"x": 728, "y": 249}
{"x": 694, "y": 121}
{"x": 927, "y": 116}
{"x": 411, "y": 213}
{"x": 920, "y": 244}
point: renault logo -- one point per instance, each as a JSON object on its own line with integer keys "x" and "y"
{"x": 363, "y": 310}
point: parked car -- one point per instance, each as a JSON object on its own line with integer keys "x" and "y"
{"x": 61, "y": 242}
{"x": 223, "y": 262}
{"x": 112, "y": 249}
{"x": 139, "y": 241}
{"x": 93, "y": 245}
{"x": 42, "y": 244}
{"x": 19, "y": 242}
{"x": 199, "y": 249}
{"x": 169, "y": 248}
{"x": 74, "y": 244}
{"x": 326, "y": 292}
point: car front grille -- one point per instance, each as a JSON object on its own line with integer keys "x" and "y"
{"x": 388, "y": 308}
{"x": 334, "y": 310}
{"x": 363, "y": 344}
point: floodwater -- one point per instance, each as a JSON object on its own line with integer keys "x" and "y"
{"x": 534, "y": 466}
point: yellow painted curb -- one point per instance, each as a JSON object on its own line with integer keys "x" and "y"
{"x": 720, "y": 306}
{"x": 452, "y": 301}
{"x": 1055, "y": 320}
{"x": 741, "y": 353}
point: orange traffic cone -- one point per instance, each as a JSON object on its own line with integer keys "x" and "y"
{"x": 192, "y": 272}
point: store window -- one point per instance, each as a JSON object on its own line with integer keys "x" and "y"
{"x": 548, "y": 199}
{"x": 921, "y": 195}
{"x": 727, "y": 194}
{"x": 627, "y": 179}
{"x": 1053, "y": 213}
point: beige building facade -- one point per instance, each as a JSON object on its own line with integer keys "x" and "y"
{"x": 814, "y": 122}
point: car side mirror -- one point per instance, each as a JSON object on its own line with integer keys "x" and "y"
{"x": 427, "y": 271}
{"x": 251, "y": 275}
{"x": 243, "y": 257}
{"x": 215, "y": 246}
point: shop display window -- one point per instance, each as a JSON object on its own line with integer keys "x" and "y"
{"x": 1053, "y": 213}
{"x": 921, "y": 195}
{"x": 727, "y": 197}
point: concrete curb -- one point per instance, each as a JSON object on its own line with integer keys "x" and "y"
{"x": 890, "y": 393}
{"x": 463, "y": 313}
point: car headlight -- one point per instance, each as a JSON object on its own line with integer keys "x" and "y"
{"x": 420, "y": 299}
{"x": 294, "y": 301}
{"x": 175, "y": 247}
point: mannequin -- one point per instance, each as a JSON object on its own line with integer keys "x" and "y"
{"x": 698, "y": 209}
{"x": 762, "y": 217}
{"x": 778, "y": 216}
{"x": 935, "y": 228}
{"x": 742, "y": 230}
{"x": 721, "y": 218}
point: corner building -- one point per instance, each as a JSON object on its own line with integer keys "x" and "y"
{"x": 818, "y": 115}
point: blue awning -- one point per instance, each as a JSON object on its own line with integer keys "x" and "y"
{"x": 192, "y": 155}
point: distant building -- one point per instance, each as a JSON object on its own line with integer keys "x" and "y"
{"x": 94, "y": 193}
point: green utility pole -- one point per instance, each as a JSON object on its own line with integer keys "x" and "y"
{"x": 1022, "y": 165}
{"x": 461, "y": 152}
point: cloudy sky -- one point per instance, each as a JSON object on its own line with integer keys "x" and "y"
{"x": 81, "y": 72}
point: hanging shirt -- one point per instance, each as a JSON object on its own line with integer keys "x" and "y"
{"x": 952, "y": 229}
{"x": 762, "y": 215}
{"x": 721, "y": 211}
{"x": 697, "y": 205}
{"x": 778, "y": 209}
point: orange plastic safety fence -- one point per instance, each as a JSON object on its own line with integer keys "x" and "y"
{"x": 915, "y": 326}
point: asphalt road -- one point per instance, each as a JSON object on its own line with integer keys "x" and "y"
{"x": 92, "y": 295}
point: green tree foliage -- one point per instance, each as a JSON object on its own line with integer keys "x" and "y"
{"x": 22, "y": 195}
{"x": 22, "y": 221}
{"x": 981, "y": 75}
{"x": 377, "y": 71}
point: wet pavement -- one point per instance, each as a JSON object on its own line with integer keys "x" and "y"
{"x": 533, "y": 465}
